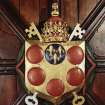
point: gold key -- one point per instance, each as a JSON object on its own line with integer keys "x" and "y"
{"x": 78, "y": 100}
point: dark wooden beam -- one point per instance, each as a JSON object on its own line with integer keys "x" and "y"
{"x": 9, "y": 14}
{"x": 94, "y": 14}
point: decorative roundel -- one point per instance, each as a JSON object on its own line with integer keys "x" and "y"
{"x": 55, "y": 87}
{"x": 34, "y": 54}
{"x": 75, "y": 76}
{"x": 75, "y": 55}
{"x": 36, "y": 76}
{"x": 55, "y": 54}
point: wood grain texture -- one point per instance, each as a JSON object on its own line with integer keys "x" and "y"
{"x": 29, "y": 10}
{"x": 16, "y": 4}
{"x": 97, "y": 42}
{"x": 85, "y": 7}
{"x": 70, "y": 11}
{"x": 43, "y": 10}
{"x": 8, "y": 89}
{"x": 9, "y": 44}
{"x": 99, "y": 87}
{"x": 37, "y": 10}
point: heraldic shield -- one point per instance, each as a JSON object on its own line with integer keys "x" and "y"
{"x": 54, "y": 69}
{"x": 54, "y": 64}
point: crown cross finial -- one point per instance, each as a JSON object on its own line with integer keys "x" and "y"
{"x": 55, "y": 9}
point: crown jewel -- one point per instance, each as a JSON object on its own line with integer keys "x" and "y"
{"x": 55, "y": 29}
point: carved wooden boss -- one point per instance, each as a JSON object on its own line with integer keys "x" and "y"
{"x": 55, "y": 65}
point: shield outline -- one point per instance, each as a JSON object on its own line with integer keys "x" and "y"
{"x": 65, "y": 95}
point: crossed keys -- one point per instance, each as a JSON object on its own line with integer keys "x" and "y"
{"x": 33, "y": 31}
{"x": 78, "y": 32}
{"x": 78, "y": 100}
{"x": 31, "y": 100}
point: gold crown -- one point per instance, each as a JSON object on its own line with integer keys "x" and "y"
{"x": 55, "y": 29}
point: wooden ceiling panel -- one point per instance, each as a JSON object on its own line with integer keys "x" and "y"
{"x": 29, "y": 10}
{"x": 43, "y": 9}
{"x": 16, "y": 4}
{"x": 70, "y": 12}
{"x": 85, "y": 7}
